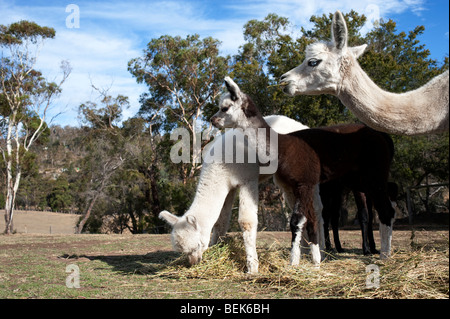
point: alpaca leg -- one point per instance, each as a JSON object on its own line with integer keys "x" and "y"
{"x": 335, "y": 215}
{"x": 318, "y": 208}
{"x": 332, "y": 211}
{"x": 326, "y": 215}
{"x": 363, "y": 219}
{"x": 386, "y": 215}
{"x": 372, "y": 245}
{"x": 331, "y": 195}
{"x": 304, "y": 213}
{"x": 312, "y": 225}
{"x": 297, "y": 223}
{"x": 336, "y": 206}
{"x": 248, "y": 220}
{"x": 386, "y": 238}
{"x": 319, "y": 220}
{"x": 387, "y": 220}
{"x": 301, "y": 244}
{"x": 223, "y": 223}
{"x": 313, "y": 235}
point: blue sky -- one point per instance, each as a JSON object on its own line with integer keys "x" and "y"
{"x": 113, "y": 32}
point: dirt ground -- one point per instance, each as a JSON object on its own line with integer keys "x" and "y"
{"x": 142, "y": 266}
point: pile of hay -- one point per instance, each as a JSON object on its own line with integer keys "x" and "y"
{"x": 422, "y": 272}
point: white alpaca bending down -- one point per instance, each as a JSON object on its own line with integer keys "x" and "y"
{"x": 332, "y": 68}
{"x": 211, "y": 207}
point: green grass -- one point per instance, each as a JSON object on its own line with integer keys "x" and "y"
{"x": 144, "y": 266}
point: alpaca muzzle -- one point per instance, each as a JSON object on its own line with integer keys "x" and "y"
{"x": 194, "y": 259}
{"x": 216, "y": 121}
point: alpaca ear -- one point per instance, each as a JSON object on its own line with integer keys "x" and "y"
{"x": 232, "y": 88}
{"x": 339, "y": 31}
{"x": 168, "y": 217}
{"x": 359, "y": 50}
{"x": 192, "y": 221}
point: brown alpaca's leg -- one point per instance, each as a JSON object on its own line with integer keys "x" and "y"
{"x": 386, "y": 215}
{"x": 363, "y": 218}
{"x": 297, "y": 224}
{"x": 304, "y": 217}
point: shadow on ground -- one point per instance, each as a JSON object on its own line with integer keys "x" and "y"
{"x": 148, "y": 264}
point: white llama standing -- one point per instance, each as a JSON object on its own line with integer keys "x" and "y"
{"x": 216, "y": 189}
{"x": 332, "y": 68}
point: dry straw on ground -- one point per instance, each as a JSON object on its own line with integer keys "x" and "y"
{"x": 419, "y": 272}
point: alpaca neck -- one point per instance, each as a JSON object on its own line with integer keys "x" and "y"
{"x": 407, "y": 113}
{"x": 261, "y": 137}
{"x": 254, "y": 121}
{"x": 209, "y": 197}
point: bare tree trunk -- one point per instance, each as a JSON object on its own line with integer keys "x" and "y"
{"x": 12, "y": 182}
{"x": 154, "y": 190}
{"x": 87, "y": 214}
{"x": 108, "y": 169}
{"x": 152, "y": 193}
{"x": 10, "y": 200}
{"x": 9, "y": 205}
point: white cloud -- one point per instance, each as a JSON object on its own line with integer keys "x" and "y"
{"x": 95, "y": 57}
{"x": 299, "y": 11}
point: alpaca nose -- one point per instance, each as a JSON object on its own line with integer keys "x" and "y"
{"x": 194, "y": 259}
{"x": 214, "y": 120}
{"x": 283, "y": 77}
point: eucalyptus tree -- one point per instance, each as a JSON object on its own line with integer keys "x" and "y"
{"x": 184, "y": 76}
{"x": 25, "y": 99}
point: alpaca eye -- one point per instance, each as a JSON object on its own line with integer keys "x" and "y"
{"x": 224, "y": 109}
{"x": 314, "y": 62}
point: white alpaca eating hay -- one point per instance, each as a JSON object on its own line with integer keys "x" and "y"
{"x": 211, "y": 207}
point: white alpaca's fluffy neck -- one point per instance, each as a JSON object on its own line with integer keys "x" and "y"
{"x": 421, "y": 111}
{"x": 209, "y": 197}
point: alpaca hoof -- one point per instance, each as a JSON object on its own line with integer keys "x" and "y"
{"x": 252, "y": 268}
{"x": 384, "y": 255}
{"x": 252, "y": 271}
{"x": 295, "y": 262}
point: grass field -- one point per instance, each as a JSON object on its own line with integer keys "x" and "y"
{"x": 144, "y": 266}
